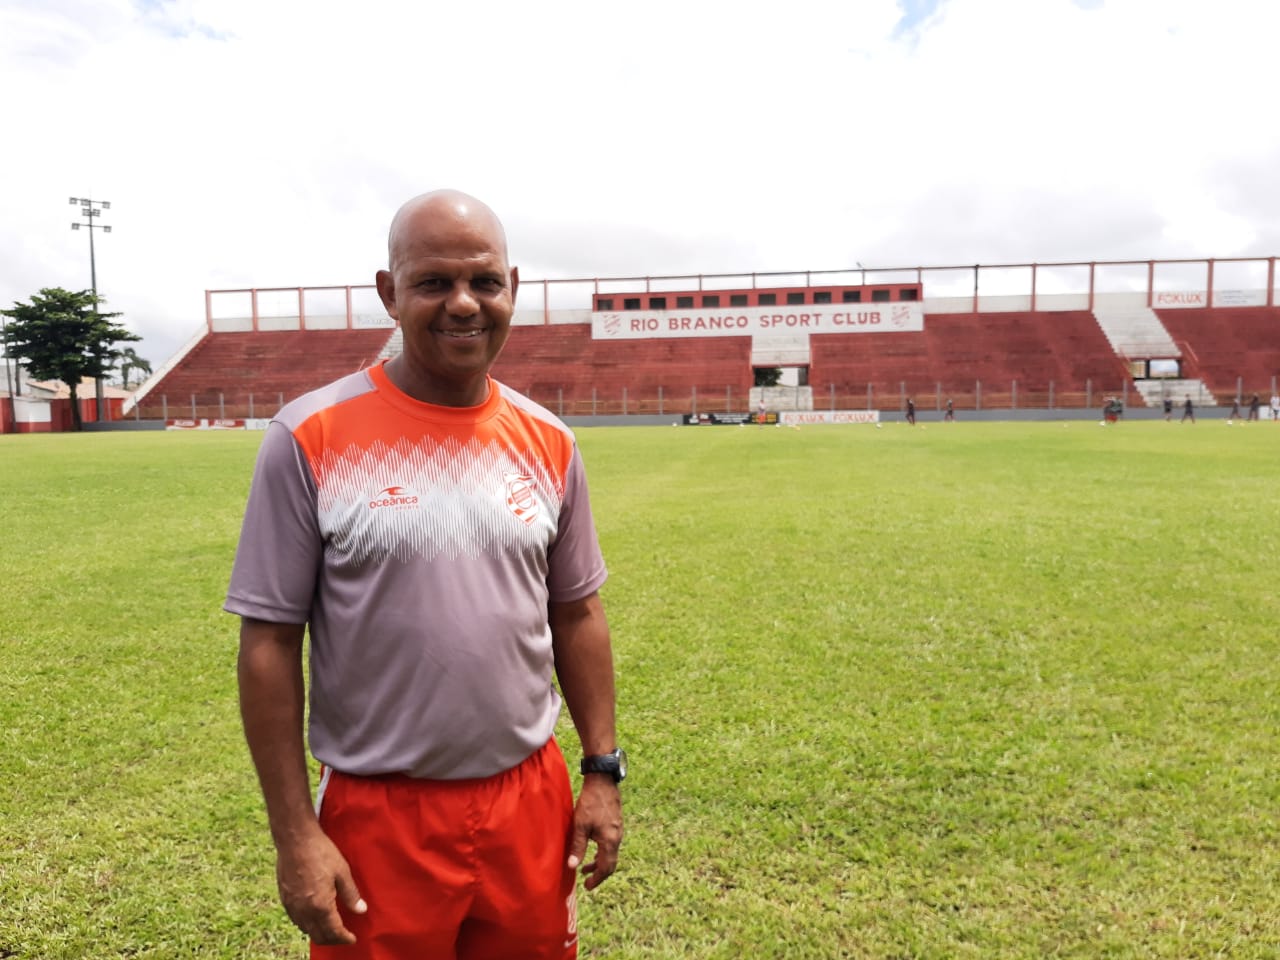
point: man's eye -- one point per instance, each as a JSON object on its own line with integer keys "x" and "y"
{"x": 488, "y": 284}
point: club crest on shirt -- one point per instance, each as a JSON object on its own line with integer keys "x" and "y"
{"x": 521, "y": 498}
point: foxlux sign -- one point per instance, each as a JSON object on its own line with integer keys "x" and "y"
{"x": 757, "y": 321}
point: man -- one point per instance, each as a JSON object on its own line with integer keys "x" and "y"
{"x": 1188, "y": 410}
{"x": 1275, "y": 408}
{"x": 432, "y": 530}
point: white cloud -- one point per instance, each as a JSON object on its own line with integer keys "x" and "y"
{"x": 245, "y": 143}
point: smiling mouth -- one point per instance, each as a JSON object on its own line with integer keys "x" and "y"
{"x": 464, "y": 334}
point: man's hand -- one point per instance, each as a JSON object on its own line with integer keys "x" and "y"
{"x": 596, "y": 816}
{"x": 313, "y": 876}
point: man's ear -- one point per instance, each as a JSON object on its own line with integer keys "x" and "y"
{"x": 515, "y": 282}
{"x": 387, "y": 292}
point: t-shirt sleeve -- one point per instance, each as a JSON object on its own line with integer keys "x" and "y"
{"x": 576, "y": 564}
{"x": 280, "y": 550}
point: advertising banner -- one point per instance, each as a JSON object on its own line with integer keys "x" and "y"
{"x": 727, "y": 419}
{"x": 759, "y": 321}
{"x": 204, "y": 423}
{"x": 1166, "y": 300}
{"x": 796, "y": 418}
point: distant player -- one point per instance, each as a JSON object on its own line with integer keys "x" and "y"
{"x": 1168, "y": 409}
{"x": 1188, "y": 411}
{"x": 950, "y": 415}
{"x": 1275, "y": 408}
{"x": 911, "y": 411}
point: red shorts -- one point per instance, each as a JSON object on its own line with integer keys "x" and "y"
{"x": 465, "y": 869}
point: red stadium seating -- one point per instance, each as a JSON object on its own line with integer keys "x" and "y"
{"x": 990, "y": 360}
{"x": 564, "y": 369}
{"x": 1228, "y": 347}
{"x": 225, "y": 370}
{"x": 975, "y": 359}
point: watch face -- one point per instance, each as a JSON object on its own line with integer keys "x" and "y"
{"x": 622, "y": 763}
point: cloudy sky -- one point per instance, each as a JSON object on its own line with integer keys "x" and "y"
{"x": 267, "y": 142}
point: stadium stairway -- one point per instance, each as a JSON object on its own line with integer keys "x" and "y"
{"x": 1136, "y": 332}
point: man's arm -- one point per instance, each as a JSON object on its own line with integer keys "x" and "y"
{"x": 584, "y": 666}
{"x": 310, "y": 871}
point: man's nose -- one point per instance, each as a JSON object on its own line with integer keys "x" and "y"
{"x": 461, "y": 301}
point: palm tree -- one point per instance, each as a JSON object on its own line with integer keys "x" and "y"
{"x": 130, "y": 361}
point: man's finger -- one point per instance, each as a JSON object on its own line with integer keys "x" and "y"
{"x": 577, "y": 846}
{"x": 349, "y": 894}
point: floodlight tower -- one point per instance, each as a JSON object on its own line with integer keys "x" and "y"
{"x": 88, "y": 209}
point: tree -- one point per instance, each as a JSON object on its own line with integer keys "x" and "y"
{"x": 62, "y": 336}
{"x": 130, "y": 362}
{"x": 768, "y": 376}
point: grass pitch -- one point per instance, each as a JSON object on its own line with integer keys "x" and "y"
{"x": 980, "y": 690}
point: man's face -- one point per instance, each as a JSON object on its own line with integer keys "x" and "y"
{"x": 452, "y": 291}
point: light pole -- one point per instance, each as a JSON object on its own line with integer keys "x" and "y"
{"x": 88, "y": 209}
{"x": 8, "y": 381}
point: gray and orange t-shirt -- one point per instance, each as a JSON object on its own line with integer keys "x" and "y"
{"x": 421, "y": 546}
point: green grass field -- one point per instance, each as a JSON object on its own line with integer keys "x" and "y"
{"x": 982, "y": 690}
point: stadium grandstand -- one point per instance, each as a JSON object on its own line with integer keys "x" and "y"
{"x": 1047, "y": 338}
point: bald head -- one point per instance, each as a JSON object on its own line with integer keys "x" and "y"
{"x": 425, "y": 218}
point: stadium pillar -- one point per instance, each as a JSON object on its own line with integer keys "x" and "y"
{"x": 624, "y": 401}
{"x": 1013, "y": 396}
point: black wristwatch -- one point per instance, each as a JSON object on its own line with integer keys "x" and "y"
{"x": 614, "y": 764}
